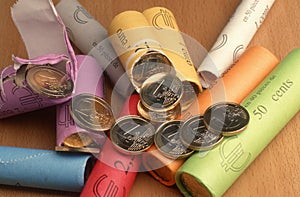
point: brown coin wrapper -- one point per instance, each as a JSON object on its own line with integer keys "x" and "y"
{"x": 271, "y": 106}
{"x": 251, "y": 68}
{"x": 172, "y": 42}
{"x": 114, "y": 173}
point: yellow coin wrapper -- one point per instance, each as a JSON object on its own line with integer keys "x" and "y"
{"x": 173, "y": 44}
{"x": 271, "y": 106}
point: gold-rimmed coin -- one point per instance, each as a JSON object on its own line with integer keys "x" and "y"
{"x": 227, "y": 118}
{"x": 91, "y": 112}
{"x": 161, "y": 92}
{"x": 49, "y": 81}
{"x": 194, "y": 135}
{"x": 81, "y": 150}
{"x": 167, "y": 140}
{"x": 78, "y": 140}
{"x": 132, "y": 134}
{"x": 152, "y": 62}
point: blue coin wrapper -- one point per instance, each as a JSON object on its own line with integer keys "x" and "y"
{"x": 44, "y": 168}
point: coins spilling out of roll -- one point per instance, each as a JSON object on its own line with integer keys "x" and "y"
{"x": 226, "y": 118}
{"x": 132, "y": 134}
{"x": 168, "y": 142}
{"x": 194, "y": 134}
{"x": 160, "y": 97}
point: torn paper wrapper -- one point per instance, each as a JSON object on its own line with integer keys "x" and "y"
{"x": 233, "y": 40}
{"x": 92, "y": 39}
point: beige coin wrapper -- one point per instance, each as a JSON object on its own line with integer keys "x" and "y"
{"x": 132, "y": 37}
{"x": 173, "y": 44}
{"x": 233, "y": 40}
{"x": 92, "y": 39}
{"x": 251, "y": 68}
{"x": 271, "y": 106}
{"x": 254, "y": 65}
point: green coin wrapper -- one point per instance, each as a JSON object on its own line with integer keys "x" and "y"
{"x": 271, "y": 106}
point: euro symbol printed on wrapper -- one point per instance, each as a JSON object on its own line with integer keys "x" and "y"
{"x": 234, "y": 159}
{"x": 110, "y": 191}
{"x": 77, "y": 17}
{"x": 165, "y": 16}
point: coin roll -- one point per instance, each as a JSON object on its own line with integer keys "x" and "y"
{"x": 137, "y": 46}
{"x": 114, "y": 173}
{"x": 271, "y": 106}
{"x": 173, "y": 45}
{"x": 17, "y": 99}
{"x": 92, "y": 39}
{"x": 251, "y": 68}
{"x": 44, "y": 169}
{"x": 230, "y": 43}
{"x": 65, "y": 124}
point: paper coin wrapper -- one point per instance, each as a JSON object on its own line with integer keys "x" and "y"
{"x": 251, "y": 68}
{"x": 173, "y": 44}
{"x": 91, "y": 38}
{"x": 233, "y": 40}
{"x": 114, "y": 172}
{"x": 44, "y": 169}
{"x": 66, "y": 127}
{"x": 271, "y": 106}
{"x": 137, "y": 46}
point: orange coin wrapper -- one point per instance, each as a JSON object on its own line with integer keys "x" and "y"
{"x": 114, "y": 173}
{"x": 253, "y": 66}
{"x": 271, "y": 105}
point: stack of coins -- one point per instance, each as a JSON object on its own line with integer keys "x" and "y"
{"x": 160, "y": 98}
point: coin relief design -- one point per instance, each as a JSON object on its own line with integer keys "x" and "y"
{"x": 196, "y": 136}
{"x": 91, "y": 112}
{"x": 226, "y": 118}
{"x": 49, "y": 81}
{"x": 168, "y": 142}
{"x": 161, "y": 92}
{"x": 132, "y": 134}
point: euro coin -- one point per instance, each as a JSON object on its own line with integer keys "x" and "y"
{"x": 195, "y": 135}
{"x": 78, "y": 140}
{"x": 226, "y": 118}
{"x": 91, "y": 112}
{"x": 49, "y": 81}
{"x": 168, "y": 142}
{"x": 132, "y": 134}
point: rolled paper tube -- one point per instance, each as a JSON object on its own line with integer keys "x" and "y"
{"x": 271, "y": 106}
{"x": 114, "y": 173}
{"x": 34, "y": 22}
{"x": 247, "y": 73}
{"x": 65, "y": 124}
{"x": 91, "y": 38}
{"x": 160, "y": 167}
{"x": 230, "y": 44}
{"x": 173, "y": 44}
{"x": 134, "y": 41}
{"x": 44, "y": 169}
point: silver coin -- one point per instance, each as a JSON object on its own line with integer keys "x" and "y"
{"x": 49, "y": 81}
{"x": 168, "y": 142}
{"x": 158, "y": 116}
{"x": 132, "y": 134}
{"x": 150, "y": 63}
{"x": 195, "y": 135}
{"x": 190, "y": 95}
{"x": 91, "y": 112}
{"x": 226, "y": 118}
{"x": 161, "y": 92}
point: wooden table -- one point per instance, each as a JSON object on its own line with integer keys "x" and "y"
{"x": 275, "y": 172}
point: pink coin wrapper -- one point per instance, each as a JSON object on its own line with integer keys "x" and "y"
{"x": 89, "y": 80}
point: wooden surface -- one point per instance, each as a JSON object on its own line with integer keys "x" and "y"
{"x": 275, "y": 172}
